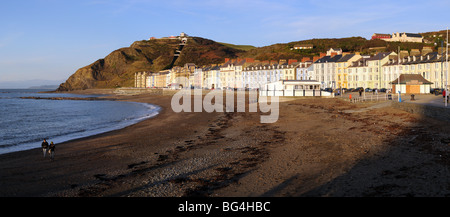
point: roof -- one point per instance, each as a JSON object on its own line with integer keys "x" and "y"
{"x": 411, "y": 78}
{"x": 380, "y": 56}
{"x": 329, "y": 59}
{"x": 383, "y": 34}
{"x": 346, "y": 58}
{"x": 413, "y": 35}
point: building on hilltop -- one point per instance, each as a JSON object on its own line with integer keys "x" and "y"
{"x": 334, "y": 51}
{"x": 399, "y": 37}
{"x": 381, "y": 36}
{"x": 303, "y": 46}
{"x": 406, "y": 37}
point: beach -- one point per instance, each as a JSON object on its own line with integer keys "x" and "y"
{"x": 318, "y": 147}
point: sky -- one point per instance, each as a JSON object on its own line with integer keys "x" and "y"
{"x": 48, "y": 40}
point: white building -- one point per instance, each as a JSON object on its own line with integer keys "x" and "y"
{"x": 406, "y": 37}
{"x": 325, "y": 71}
{"x": 305, "y": 71}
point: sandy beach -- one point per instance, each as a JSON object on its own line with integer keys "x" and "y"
{"x": 325, "y": 147}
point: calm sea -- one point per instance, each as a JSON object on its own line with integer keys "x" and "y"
{"x": 24, "y": 123}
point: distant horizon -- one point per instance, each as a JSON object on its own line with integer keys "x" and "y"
{"x": 27, "y": 84}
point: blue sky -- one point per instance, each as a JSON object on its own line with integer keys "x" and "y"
{"x": 51, "y": 39}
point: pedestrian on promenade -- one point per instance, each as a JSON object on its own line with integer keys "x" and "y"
{"x": 44, "y": 147}
{"x": 444, "y": 93}
{"x": 51, "y": 151}
{"x": 447, "y": 95}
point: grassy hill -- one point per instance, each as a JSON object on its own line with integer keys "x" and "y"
{"x": 239, "y": 47}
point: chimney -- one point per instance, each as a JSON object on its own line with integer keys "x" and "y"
{"x": 290, "y": 61}
{"x": 304, "y": 59}
{"x": 249, "y": 60}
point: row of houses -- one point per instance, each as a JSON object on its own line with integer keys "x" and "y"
{"x": 335, "y": 70}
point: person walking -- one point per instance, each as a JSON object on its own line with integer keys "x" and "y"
{"x": 444, "y": 93}
{"x": 44, "y": 147}
{"x": 447, "y": 94}
{"x": 51, "y": 151}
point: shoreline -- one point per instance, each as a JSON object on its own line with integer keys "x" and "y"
{"x": 105, "y": 95}
{"x": 77, "y": 150}
{"x": 318, "y": 147}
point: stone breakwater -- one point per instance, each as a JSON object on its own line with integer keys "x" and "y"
{"x": 66, "y": 98}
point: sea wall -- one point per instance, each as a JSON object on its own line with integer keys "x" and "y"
{"x": 439, "y": 113}
{"x": 137, "y": 91}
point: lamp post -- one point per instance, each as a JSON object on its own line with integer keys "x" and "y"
{"x": 446, "y": 75}
{"x": 398, "y": 80}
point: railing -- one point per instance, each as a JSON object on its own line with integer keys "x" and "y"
{"x": 294, "y": 92}
{"x": 374, "y": 97}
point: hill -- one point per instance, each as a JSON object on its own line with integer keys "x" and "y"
{"x": 118, "y": 68}
{"x": 239, "y": 47}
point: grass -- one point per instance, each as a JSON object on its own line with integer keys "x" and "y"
{"x": 239, "y": 47}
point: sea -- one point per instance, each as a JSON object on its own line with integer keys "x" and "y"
{"x": 25, "y": 122}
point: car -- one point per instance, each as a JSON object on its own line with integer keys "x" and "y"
{"x": 436, "y": 91}
{"x": 383, "y": 90}
{"x": 350, "y": 90}
{"x": 358, "y": 89}
{"x": 368, "y": 90}
{"x": 328, "y": 89}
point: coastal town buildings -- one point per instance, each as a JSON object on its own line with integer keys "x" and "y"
{"x": 305, "y": 70}
{"x": 342, "y": 69}
{"x": 325, "y": 70}
{"x": 141, "y": 79}
{"x": 347, "y": 70}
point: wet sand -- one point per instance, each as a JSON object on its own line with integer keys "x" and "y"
{"x": 318, "y": 147}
